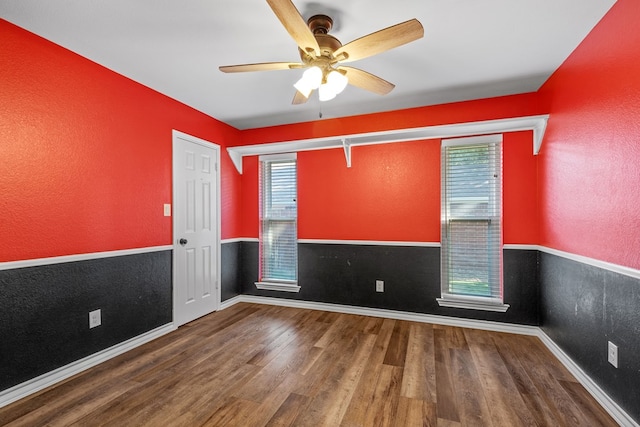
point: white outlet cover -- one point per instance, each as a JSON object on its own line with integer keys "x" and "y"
{"x": 612, "y": 354}
{"x": 167, "y": 209}
{"x": 379, "y": 286}
{"x": 95, "y": 318}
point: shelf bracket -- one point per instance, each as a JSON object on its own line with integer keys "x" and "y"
{"x": 538, "y": 133}
{"x": 347, "y": 151}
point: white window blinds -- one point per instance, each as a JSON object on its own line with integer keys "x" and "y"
{"x": 278, "y": 219}
{"x": 471, "y": 234}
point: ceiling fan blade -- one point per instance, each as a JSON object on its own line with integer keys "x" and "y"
{"x": 294, "y": 23}
{"x": 367, "y": 81}
{"x": 264, "y": 66}
{"x": 299, "y": 98}
{"x": 380, "y": 41}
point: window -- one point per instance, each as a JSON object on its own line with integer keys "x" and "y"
{"x": 278, "y": 223}
{"x": 471, "y": 225}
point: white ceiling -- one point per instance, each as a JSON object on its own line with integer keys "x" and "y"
{"x": 471, "y": 49}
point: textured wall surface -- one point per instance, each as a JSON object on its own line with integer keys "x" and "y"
{"x": 231, "y": 269}
{"x": 583, "y": 307}
{"x": 346, "y": 274}
{"x": 589, "y": 199}
{"x": 589, "y": 174}
{"x": 85, "y": 154}
{"x": 44, "y": 311}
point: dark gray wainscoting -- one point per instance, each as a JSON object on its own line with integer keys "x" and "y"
{"x": 583, "y": 307}
{"x": 44, "y": 310}
{"x": 231, "y": 269}
{"x": 346, "y": 274}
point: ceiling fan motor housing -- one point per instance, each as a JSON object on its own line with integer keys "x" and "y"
{"x": 320, "y": 25}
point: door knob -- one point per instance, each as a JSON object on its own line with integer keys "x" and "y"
{"x": 182, "y": 241}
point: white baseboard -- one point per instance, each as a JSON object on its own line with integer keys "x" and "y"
{"x": 390, "y": 314}
{"x": 601, "y": 397}
{"x": 230, "y": 302}
{"x": 616, "y": 412}
{"x": 50, "y": 378}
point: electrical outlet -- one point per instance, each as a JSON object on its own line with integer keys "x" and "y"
{"x": 379, "y": 285}
{"x": 167, "y": 209}
{"x": 612, "y": 354}
{"x": 95, "y": 318}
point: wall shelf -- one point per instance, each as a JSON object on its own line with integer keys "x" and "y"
{"x": 537, "y": 124}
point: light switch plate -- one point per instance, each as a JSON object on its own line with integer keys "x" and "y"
{"x": 167, "y": 209}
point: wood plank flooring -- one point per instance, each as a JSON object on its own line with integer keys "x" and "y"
{"x": 259, "y": 365}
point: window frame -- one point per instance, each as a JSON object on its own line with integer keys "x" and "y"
{"x": 459, "y": 300}
{"x": 267, "y": 283}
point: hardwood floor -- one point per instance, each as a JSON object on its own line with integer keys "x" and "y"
{"x": 258, "y": 365}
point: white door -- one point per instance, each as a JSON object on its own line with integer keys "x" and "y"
{"x": 196, "y": 225}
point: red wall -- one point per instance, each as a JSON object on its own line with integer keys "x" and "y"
{"x": 392, "y": 192}
{"x": 85, "y": 154}
{"x": 590, "y": 158}
{"x": 519, "y": 189}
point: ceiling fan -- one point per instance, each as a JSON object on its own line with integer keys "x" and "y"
{"x": 322, "y": 54}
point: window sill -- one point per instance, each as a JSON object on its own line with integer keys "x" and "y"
{"x": 277, "y": 286}
{"x": 472, "y": 305}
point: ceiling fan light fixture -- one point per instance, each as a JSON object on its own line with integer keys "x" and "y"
{"x": 310, "y": 80}
{"x": 337, "y": 81}
{"x": 302, "y": 88}
{"x": 326, "y": 92}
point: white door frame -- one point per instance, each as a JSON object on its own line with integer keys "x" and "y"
{"x": 180, "y": 135}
